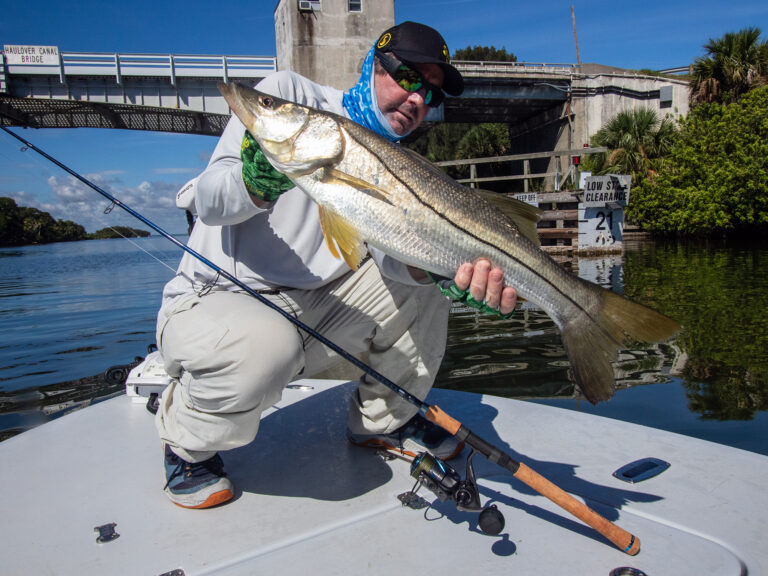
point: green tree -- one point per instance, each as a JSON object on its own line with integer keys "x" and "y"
{"x": 11, "y": 225}
{"x": 20, "y": 225}
{"x": 38, "y": 226}
{"x": 456, "y": 141}
{"x": 715, "y": 178}
{"x": 484, "y": 54}
{"x": 733, "y": 65}
{"x": 637, "y": 141}
{"x": 68, "y": 231}
{"x": 118, "y": 232}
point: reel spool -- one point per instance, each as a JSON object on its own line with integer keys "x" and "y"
{"x": 443, "y": 480}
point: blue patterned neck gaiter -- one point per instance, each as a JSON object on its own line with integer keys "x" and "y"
{"x": 360, "y": 103}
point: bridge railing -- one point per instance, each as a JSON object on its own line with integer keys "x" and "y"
{"x": 171, "y": 66}
{"x": 482, "y": 68}
{"x": 526, "y": 176}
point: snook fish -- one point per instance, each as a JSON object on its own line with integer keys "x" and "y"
{"x": 373, "y": 192}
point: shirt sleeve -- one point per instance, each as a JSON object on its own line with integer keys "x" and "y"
{"x": 221, "y": 198}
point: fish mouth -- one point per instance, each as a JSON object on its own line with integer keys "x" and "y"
{"x": 267, "y": 117}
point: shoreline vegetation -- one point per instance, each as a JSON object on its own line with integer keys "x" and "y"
{"x": 23, "y": 226}
{"x": 702, "y": 175}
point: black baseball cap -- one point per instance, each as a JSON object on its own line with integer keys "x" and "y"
{"x": 420, "y": 44}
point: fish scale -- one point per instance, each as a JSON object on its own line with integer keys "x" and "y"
{"x": 373, "y": 192}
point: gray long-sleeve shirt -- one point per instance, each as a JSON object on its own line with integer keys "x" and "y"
{"x": 281, "y": 246}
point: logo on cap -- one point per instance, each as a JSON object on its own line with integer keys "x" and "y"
{"x": 384, "y": 40}
{"x": 446, "y": 54}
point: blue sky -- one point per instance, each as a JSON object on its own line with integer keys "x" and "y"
{"x": 145, "y": 169}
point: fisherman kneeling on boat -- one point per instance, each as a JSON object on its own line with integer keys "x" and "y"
{"x": 231, "y": 356}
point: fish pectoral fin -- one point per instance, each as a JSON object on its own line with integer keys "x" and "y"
{"x": 338, "y": 231}
{"x": 522, "y": 214}
{"x": 358, "y": 183}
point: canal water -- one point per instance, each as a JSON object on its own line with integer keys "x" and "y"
{"x": 69, "y": 311}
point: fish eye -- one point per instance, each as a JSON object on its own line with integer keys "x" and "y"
{"x": 267, "y": 102}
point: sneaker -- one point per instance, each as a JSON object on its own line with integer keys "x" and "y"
{"x": 415, "y": 436}
{"x": 196, "y": 484}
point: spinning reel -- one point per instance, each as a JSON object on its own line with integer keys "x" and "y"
{"x": 446, "y": 483}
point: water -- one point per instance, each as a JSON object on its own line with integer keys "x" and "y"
{"x": 711, "y": 381}
{"x": 69, "y": 311}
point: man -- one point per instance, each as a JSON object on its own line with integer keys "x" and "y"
{"x": 231, "y": 356}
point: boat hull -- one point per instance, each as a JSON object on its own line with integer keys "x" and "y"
{"x": 308, "y": 502}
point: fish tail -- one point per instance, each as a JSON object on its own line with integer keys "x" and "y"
{"x": 592, "y": 341}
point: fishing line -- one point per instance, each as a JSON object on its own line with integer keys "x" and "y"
{"x": 147, "y": 252}
{"x": 405, "y": 395}
{"x": 622, "y": 539}
{"x": 36, "y": 162}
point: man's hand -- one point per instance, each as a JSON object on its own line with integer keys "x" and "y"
{"x": 486, "y": 285}
{"x": 479, "y": 286}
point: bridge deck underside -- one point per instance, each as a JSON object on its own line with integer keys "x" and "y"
{"x": 194, "y": 106}
{"x": 38, "y": 113}
{"x": 504, "y": 110}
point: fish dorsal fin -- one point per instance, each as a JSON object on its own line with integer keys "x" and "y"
{"x": 358, "y": 183}
{"x": 522, "y": 214}
{"x": 337, "y": 231}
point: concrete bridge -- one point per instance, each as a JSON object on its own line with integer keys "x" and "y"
{"x": 548, "y": 106}
{"x": 158, "y": 92}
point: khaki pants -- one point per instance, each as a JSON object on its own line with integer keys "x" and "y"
{"x": 231, "y": 356}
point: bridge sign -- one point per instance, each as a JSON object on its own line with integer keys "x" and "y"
{"x": 601, "y": 212}
{"x": 600, "y": 191}
{"x": 23, "y": 55}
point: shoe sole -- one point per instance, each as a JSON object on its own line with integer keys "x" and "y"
{"x": 378, "y": 444}
{"x": 214, "y": 499}
{"x": 224, "y": 493}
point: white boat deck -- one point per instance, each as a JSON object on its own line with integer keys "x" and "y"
{"x": 309, "y": 503}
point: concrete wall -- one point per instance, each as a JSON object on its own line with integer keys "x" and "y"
{"x": 598, "y": 98}
{"x": 328, "y": 45}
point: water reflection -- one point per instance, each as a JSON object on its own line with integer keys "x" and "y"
{"x": 523, "y": 357}
{"x": 72, "y": 310}
{"x": 717, "y": 291}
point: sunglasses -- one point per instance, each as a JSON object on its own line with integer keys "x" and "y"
{"x": 410, "y": 79}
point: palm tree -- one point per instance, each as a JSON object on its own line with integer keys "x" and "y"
{"x": 637, "y": 141}
{"x": 734, "y": 64}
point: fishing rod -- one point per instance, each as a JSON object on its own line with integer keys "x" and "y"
{"x": 622, "y": 539}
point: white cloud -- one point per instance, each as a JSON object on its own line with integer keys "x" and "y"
{"x": 76, "y": 201}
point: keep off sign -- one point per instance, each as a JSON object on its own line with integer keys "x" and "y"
{"x": 600, "y": 191}
{"x": 25, "y": 55}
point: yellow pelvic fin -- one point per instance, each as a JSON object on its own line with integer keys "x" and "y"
{"x": 522, "y": 214}
{"x": 338, "y": 231}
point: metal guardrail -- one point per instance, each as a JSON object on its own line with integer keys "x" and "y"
{"x": 171, "y": 66}
{"x": 482, "y": 68}
{"x": 526, "y": 176}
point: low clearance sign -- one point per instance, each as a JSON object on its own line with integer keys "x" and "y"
{"x": 603, "y": 190}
